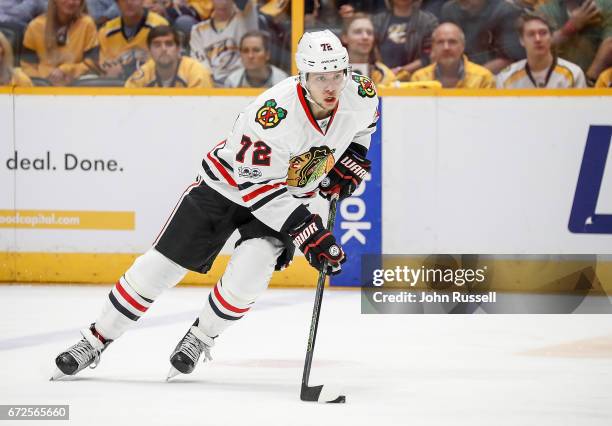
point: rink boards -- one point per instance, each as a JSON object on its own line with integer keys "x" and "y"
{"x": 88, "y": 178}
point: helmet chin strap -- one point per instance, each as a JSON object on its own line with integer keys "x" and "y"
{"x": 308, "y": 96}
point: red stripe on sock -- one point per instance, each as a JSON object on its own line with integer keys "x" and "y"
{"x": 227, "y": 305}
{"x": 129, "y": 298}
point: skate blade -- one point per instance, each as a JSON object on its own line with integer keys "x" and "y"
{"x": 172, "y": 373}
{"x": 57, "y": 374}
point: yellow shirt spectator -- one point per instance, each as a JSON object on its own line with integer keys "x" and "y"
{"x": 605, "y": 79}
{"x": 382, "y": 75}
{"x": 471, "y": 76}
{"x": 75, "y": 53}
{"x": 129, "y": 51}
{"x": 190, "y": 73}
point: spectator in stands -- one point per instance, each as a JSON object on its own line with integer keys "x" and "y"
{"x": 490, "y": 31}
{"x": 102, "y": 10}
{"x": 167, "y": 68}
{"x": 434, "y": 7}
{"x": 256, "y": 70}
{"x": 123, "y": 40}
{"x": 19, "y": 13}
{"x": 358, "y": 37}
{"x": 275, "y": 19}
{"x": 404, "y": 36}
{"x": 541, "y": 69}
{"x": 605, "y": 79}
{"x": 60, "y": 45}
{"x": 451, "y": 67}
{"x": 179, "y": 13}
{"x": 182, "y": 15}
{"x": 10, "y": 76}
{"x": 321, "y": 14}
{"x": 346, "y": 8}
{"x": 582, "y": 32}
{"x": 215, "y": 42}
{"x": 311, "y": 14}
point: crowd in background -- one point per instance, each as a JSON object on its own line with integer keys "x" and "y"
{"x": 246, "y": 43}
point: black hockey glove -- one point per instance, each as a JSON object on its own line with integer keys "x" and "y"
{"x": 347, "y": 174}
{"x": 318, "y": 245}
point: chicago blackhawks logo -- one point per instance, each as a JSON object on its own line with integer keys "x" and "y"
{"x": 310, "y": 166}
{"x": 269, "y": 115}
{"x": 366, "y": 87}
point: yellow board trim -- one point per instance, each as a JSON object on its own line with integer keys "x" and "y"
{"x": 143, "y": 91}
{"x": 67, "y": 219}
{"x": 104, "y": 268}
{"x": 490, "y": 93}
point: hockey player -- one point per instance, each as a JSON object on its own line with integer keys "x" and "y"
{"x": 307, "y": 134}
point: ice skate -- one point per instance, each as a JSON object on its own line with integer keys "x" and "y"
{"x": 188, "y": 352}
{"x": 85, "y": 353}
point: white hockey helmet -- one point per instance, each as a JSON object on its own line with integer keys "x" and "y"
{"x": 320, "y": 51}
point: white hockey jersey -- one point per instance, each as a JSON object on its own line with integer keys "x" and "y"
{"x": 562, "y": 74}
{"x": 218, "y": 49}
{"x": 277, "y": 153}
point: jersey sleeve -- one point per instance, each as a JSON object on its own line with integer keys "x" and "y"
{"x": 103, "y": 53}
{"x": 200, "y": 76}
{"x": 579, "y": 79}
{"x": 89, "y": 52}
{"x": 370, "y": 115}
{"x": 250, "y": 16}
{"x": 260, "y": 165}
{"x": 29, "y": 56}
{"x": 197, "y": 47}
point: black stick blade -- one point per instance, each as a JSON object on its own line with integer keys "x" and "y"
{"x": 310, "y": 393}
{"x": 313, "y": 394}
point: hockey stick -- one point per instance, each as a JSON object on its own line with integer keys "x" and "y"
{"x": 313, "y": 393}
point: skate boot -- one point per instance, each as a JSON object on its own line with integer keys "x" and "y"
{"x": 188, "y": 351}
{"x": 85, "y": 353}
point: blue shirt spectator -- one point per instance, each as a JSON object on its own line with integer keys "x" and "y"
{"x": 102, "y": 10}
{"x": 21, "y": 12}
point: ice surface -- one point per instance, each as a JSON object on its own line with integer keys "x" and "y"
{"x": 394, "y": 369}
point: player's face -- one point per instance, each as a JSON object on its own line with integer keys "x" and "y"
{"x": 164, "y": 51}
{"x": 68, "y": 7}
{"x": 253, "y": 54}
{"x": 131, "y": 8}
{"x": 325, "y": 87}
{"x": 1, "y": 55}
{"x": 536, "y": 38}
{"x": 359, "y": 37}
{"x": 448, "y": 46}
